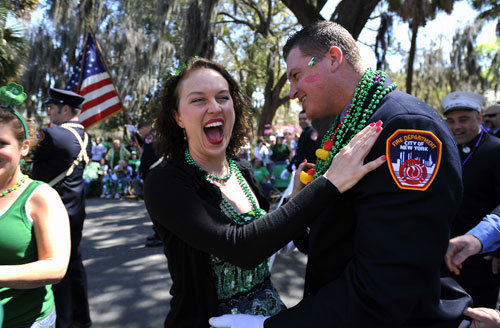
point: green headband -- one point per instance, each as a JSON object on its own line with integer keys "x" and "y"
{"x": 13, "y": 94}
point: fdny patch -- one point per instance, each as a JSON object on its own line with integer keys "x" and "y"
{"x": 314, "y": 136}
{"x": 413, "y": 157}
{"x": 149, "y": 139}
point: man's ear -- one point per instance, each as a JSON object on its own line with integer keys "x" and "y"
{"x": 66, "y": 109}
{"x": 480, "y": 118}
{"x": 336, "y": 57}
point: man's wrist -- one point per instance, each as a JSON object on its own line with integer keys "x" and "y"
{"x": 479, "y": 241}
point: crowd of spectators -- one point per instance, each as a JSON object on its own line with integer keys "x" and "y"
{"x": 113, "y": 169}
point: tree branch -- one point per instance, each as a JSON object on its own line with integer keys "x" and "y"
{"x": 235, "y": 20}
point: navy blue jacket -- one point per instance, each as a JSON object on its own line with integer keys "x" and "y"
{"x": 376, "y": 251}
{"x": 54, "y": 154}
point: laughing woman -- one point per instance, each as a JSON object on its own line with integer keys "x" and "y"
{"x": 210, "y": 211}
{"x": 34, "y": 234}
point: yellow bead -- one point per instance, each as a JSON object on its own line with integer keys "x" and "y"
{"x": 322, "y": 154}
{"x": 306, "y": 178}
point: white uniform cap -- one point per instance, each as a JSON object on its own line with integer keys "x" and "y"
{"x": 462, "y": 100}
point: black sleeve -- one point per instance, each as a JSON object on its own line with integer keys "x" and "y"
{"x": 302, "y": 242}
{"x": 400, "y": 240}
{"x": 173, "y": 203}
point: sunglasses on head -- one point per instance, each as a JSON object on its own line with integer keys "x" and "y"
{"x": 490, "y": 115}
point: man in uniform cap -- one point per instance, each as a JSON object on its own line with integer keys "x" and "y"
{"x": 59, "y": 160}
{"x": 492, "y": 119}
{"x": 480, "y": 159}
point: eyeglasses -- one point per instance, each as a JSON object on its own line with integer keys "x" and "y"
{"x": 490, "y": 115}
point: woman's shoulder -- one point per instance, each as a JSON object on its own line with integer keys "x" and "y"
{"x": 173, "y": 172}
{"x": 42, "y": 194}
{"x": 177, "y": 177}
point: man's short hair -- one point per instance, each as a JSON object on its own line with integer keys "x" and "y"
{"x": 315, "y": 40}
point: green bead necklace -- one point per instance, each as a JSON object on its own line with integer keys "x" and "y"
{"x": 191, "y": 161}
{"x": 225, "y": 205}
{"x": 14, "y": 187}
{"x": 342, "y": 131}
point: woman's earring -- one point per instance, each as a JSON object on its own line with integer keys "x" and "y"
{"x": 185, "y": 135}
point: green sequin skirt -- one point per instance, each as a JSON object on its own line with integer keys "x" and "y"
{"x": 261, "y": 300}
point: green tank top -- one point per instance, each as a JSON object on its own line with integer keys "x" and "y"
{"x": 18, "y": 246}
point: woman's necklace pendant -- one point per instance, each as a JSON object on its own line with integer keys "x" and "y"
{"x": 466, "y": 149}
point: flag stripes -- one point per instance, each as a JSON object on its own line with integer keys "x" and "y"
{"x": 92, "y": 81}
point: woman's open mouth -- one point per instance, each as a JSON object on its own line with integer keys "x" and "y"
{"x": 214, "y": 131}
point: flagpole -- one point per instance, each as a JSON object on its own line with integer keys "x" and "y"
{"x": 112, "y": 80}
{"x": 83, "y": 55}
{"x": 104, "y": 62}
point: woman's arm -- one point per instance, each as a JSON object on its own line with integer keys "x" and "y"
{"x": 174, "y": 202}
{"x": 51, "y": 227}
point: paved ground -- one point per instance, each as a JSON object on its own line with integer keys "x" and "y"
{"x": 129, "y": 283}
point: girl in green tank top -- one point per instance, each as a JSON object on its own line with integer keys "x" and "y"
{"x": 34, "y": 233}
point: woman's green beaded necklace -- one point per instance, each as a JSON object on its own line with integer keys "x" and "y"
{"x": 191, "y": 161}
{"x": 355, "y": 118}
{"x": 14, "y": 187}
{"x": 225, "y": 205}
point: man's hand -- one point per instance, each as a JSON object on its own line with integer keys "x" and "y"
{"x": 459, "y": 249}
{"x": 237, "y": 321}
{"x": 483, "y": 317}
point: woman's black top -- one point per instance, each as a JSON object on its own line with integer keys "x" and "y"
{"x": 184, "y": 208}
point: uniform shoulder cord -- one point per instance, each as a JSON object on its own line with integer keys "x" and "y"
{"x": 82, "y": 155}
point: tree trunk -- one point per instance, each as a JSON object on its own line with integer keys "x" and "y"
{"x": 411, "y": 57}
{"x": 273, "y": 100}
{"x": 353, "y": 14}
{"x": 199, "y": 39}
{"x": 306, "y": 11}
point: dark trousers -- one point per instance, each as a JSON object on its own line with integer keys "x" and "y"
{"x": 479, "y": 281}
{"x": 70, "y": 294}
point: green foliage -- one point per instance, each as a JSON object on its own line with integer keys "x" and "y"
{"x": 469, "y": 67}
{"x": 489, "y": 61}
{"x": 12, "y": 46}
{"x": 136, "y": 38}
{"x": 252, "y": 36}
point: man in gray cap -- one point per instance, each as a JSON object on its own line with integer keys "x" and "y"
{"x": 59, "y": 160}
{"x": 480, "y": 157}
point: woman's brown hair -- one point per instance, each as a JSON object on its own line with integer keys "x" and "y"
{"x": 170, "y": 137}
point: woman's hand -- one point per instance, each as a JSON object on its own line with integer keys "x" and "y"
{"x": 347, "y": 166}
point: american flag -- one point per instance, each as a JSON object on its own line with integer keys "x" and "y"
{"x": 92, "y": 81}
